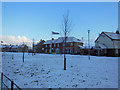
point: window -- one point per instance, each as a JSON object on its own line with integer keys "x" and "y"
{"x": 42, "y": 48}
{"x": 63, "y": 44}
{"x": 105, "y": 51}
{"x": 67, "y": 51}
{"x": 54, "y": 45}
{"x": 58, "y": 45}
{"x": 46, "y": 45}
{"x": 46, "y": 50}
{"x": 71, "y": 44}
{"x": 116, "y": 51}
{"x": 71, "y": 51}
{"x": 50, "y": 45}
{"x": 49, "y": 50}
{"x": 75, "y": 51}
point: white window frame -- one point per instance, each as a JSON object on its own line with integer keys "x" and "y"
{"x": 42, "y": 48}
{"x": 116, "y": 51}
{"x": 58, "y": 45}
{"x": 49, "y": 50}
{"x": 54, "y": 45}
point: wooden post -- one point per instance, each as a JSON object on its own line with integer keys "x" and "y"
{"x": 12, "y": 56}
{"x": 11, "y": 85}
{"x": 65, "y": 54}
{"x": 1, "y": 80}
{"x": 23, "y": 54}
{"x": 64, "y": 63}
{"x": 50, "y": 88}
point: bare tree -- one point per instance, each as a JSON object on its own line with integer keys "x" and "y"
{"x": 33, "y": 48}
{"x": 23, "y": 51}
{"x": 66, "y": 27}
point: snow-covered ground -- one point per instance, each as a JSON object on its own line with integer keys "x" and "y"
{"x": 46, "y": 71}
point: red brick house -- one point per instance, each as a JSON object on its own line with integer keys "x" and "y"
{"x": 58, "y": 46}
{"x": 39, "y": 46}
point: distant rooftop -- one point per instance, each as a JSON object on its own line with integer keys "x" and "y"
{"x": 61, "y": 40}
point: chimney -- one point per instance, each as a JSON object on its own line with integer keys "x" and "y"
{"x": 117, "y": 32}
{"x": 52, "y": 38}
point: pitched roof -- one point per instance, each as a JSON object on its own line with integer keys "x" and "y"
{"x": 50, "y": 41}
{"x": 15, "y": 46}
{"x": 69, "y": 39}
{"x": 4, "y": 46}
{"x": 111, "y": 35}
{"x": 61, "y": 40}
{"x": 21, "y": 46}
{"x": 38, "y": 42}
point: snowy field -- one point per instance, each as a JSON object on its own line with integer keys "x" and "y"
{"x": 46, "y": 71}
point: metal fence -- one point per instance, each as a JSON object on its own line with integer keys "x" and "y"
{"x": 12, "y": 83}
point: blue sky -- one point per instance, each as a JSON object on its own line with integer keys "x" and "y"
{"x": 37, "y": 19}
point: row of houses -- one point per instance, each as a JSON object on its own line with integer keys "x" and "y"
{"x": 14, "y": 48}
{"x": 106, "y": 44}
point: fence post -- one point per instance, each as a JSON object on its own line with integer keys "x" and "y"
{"x": 1, "y": 79}
{"x": 12, "y": 56}
{"x": 65, "y": 63}
{"x": 23, "y": 56}
{"x": 11, "y": 85}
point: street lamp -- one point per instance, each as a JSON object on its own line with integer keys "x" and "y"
{"x": 89, "y": 43}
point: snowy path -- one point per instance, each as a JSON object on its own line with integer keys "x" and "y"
{"x": 46, "y": 71}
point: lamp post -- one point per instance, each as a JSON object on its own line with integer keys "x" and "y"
{"x": 23, "y": 51}
{"x": 89, "y": 43}
{"x": 33, "y": 51}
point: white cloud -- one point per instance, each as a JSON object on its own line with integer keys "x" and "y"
{"x": 17, "y": 40}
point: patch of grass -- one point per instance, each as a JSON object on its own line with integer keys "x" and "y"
{"x": 25, "y": 84}
{"x": 83, "y": 80}
{"x": 36, "y": 81}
